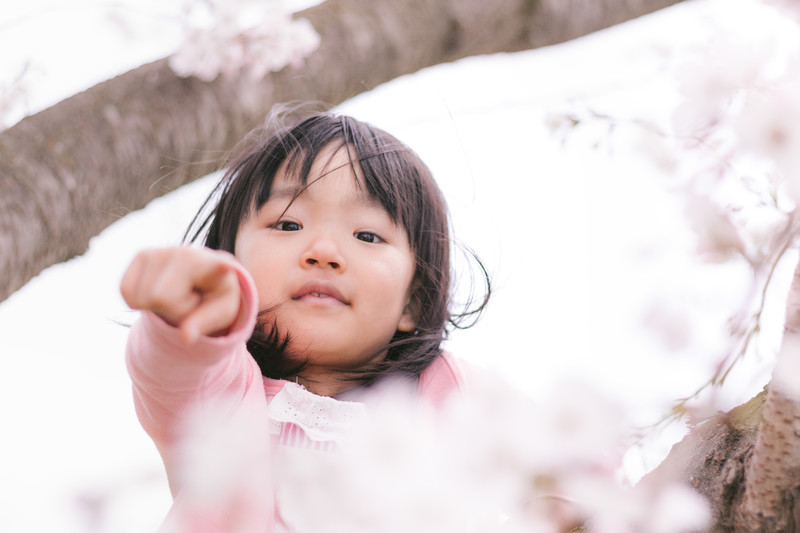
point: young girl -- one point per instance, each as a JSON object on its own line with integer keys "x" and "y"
{"x": 326, "y": 269}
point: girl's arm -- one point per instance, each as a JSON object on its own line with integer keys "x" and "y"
{"x": 197, "y": 392}
{"x": 187, "y": 351}
{"x": 189, "y": 346}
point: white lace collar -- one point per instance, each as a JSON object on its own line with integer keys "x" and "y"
{"x": 320, "y": 417}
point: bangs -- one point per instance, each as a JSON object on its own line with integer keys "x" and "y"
{"x": 375, "y": 157}
{"x": 295, "y": 157}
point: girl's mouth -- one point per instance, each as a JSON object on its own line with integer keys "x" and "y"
{"x": 320, "y": 292}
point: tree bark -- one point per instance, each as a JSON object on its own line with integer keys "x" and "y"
{"x": 772, "y": 475}
{"x": 711, "y": 459}
{"x": 747, "y": 462}
{"x": 69, "y": 171}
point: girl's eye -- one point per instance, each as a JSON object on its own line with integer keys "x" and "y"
{"x": 366, "y": 236}
{"x": 287, "y": 225}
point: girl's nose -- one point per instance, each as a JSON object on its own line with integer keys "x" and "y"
{"x": 323, "y": 253}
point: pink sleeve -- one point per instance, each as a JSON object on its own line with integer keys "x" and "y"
{"x": 169, "y": 375}
{"x": 444, "y": 376}
{"x": 214, "y": 381}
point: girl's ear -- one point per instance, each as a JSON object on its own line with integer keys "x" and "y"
{"x": 407, "y": 322}
{"x": 410, "y": 317}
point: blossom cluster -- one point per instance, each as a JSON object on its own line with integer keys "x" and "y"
{"x": 736, "y": 133}
{"x": 726, "y": 141}
{"x": 242, "y": 36}
{"x": 789, "y": 7}
{"x": 488, "y": 460}
{"x": 739, "y": 126}
{"x": 13, "y": 92}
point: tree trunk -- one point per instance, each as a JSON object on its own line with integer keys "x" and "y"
{"x": 69, "y": 171}
{"x": 747, "y": 462}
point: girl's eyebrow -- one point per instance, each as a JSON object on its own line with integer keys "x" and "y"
{"x": 291, "y": 193}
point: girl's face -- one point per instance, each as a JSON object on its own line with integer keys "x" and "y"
{"x": 332, "y": 267}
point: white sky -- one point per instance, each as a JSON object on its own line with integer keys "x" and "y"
{"x": 582, "y": 238}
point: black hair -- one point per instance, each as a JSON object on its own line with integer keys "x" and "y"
{"x": 393, "y": 175}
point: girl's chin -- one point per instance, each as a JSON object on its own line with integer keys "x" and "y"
{"x": 322, "y": 355}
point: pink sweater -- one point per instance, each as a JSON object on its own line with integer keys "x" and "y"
{"x": 214, "y": 388}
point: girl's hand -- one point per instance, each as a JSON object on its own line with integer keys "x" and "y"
{"x": 193, "y": 289}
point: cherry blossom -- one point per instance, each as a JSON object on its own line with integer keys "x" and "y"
{"x": 767, "y": 127}
{"x": 707, "y": 92}
{"x": 13, "y": 93}
{"x": 244, "y": 36}
{"x": 489, "y": 460}
{"x": 789, "y": 7}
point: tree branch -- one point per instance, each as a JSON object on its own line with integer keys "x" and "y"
{"x": 69, "y": 171}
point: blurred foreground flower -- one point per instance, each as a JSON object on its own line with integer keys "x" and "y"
{"x": 718, "y": 237}
{"x": 768, "y": 126}
{"x": 487, "y": 461}
{"x": 789, "y": 7}
{"x": 707, "y": 92}
{"x": 222, "y": 471}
